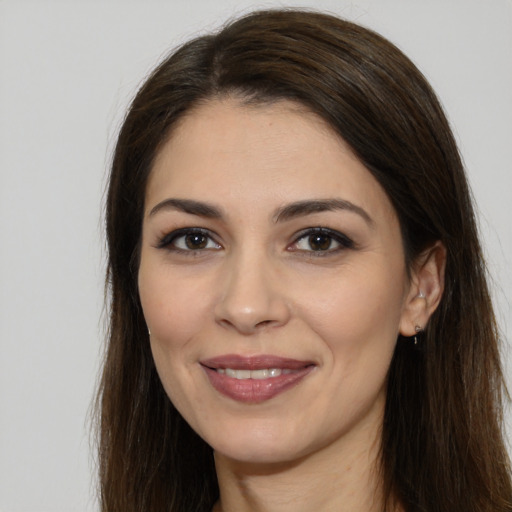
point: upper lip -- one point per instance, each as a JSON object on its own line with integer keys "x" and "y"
{"x": 257, "y": 362}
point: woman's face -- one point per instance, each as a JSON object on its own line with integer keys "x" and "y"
{"x": 273, "y": 281}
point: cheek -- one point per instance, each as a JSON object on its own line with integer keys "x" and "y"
{"x": 356, "y": 311}
{"x": 174, "y": 315}
{"x": 173, "y": 307}
{"x": 357, "y": 319}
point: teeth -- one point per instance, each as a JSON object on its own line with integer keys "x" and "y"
{"x": 238, "y": 374}
{"x": 253, "y": 374}
{"x": 262, "y": 374}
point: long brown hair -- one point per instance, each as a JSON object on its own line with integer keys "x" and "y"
{"x": 442, "y": 440}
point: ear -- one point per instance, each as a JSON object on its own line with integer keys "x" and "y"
{"x": 425, "y": 291}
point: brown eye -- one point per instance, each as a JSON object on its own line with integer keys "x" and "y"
{"x": 320, "y": 242}
{"x": 189, "y": 240}
{"x": 196, "y": 241}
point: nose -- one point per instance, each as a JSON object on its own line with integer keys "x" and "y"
{"x": 253, "y": 296}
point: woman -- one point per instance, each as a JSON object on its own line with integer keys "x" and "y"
{"x": 299, "y": 316}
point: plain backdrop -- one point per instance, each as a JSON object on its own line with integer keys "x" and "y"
{"x": 67, "y": 72}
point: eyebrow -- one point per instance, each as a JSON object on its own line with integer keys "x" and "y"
{"x": 188, "y": 206}
{"x": 285, "y": 213}
{"x": 301, "y": 208}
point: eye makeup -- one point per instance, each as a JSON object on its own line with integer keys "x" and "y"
{"x": 321, "y": 241}
{"x": 313, "y": 241}
{"x": 188, "y": 240}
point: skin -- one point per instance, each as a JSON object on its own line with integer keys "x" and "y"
{"x": 257, "y": 286}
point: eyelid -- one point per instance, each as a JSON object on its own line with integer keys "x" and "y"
{"x": 166, "y": 241}
{"x": 343, "y": 240}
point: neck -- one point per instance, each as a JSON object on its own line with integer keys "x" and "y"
{"x": 341, "y": 477}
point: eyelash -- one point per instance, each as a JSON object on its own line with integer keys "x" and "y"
{"x": 343, "y": 241}
{"x": 169, "y": 241}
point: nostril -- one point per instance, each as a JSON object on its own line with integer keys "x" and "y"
{"x": 263, "y": 323}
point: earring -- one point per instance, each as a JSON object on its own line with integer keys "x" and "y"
{"x": 149, "y": 331}
{"x": 418, "y": 329}
{"x": 421, "y": 295}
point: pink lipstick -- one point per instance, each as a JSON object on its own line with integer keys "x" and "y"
{"x": 254, "y": 379}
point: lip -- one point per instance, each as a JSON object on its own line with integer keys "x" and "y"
{"x": 255, "y": 390}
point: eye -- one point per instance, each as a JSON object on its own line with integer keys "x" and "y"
{"x": 188, "y": 240}
{"x": 322, "y": 241}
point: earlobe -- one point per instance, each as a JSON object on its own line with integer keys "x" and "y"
{"x": 426, "y": 290}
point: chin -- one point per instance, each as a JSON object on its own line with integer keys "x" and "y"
{"x": 262, "y": 444}
{"x": 257, "y": 455}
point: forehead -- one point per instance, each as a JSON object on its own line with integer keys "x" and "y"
{"x": 229, "y": 126}
{"x": 280, "y": 152}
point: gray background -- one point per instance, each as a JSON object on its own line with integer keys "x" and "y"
{"x": 67, "y": 72}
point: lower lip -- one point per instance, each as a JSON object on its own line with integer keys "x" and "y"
{"x": 253, "y": 391}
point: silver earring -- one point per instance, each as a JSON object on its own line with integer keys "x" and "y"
{"x": 149, "y": 332}
{"x": 421, "y": 295}
{"x": 418, "y": 329}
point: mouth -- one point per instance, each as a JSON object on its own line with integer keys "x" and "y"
{"x": 255, "y": 379}
{"x": 266, "y": 373}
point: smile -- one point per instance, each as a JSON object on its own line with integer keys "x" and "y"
{"x": 254, "y": 379}
{"x": 254, "y": 374}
